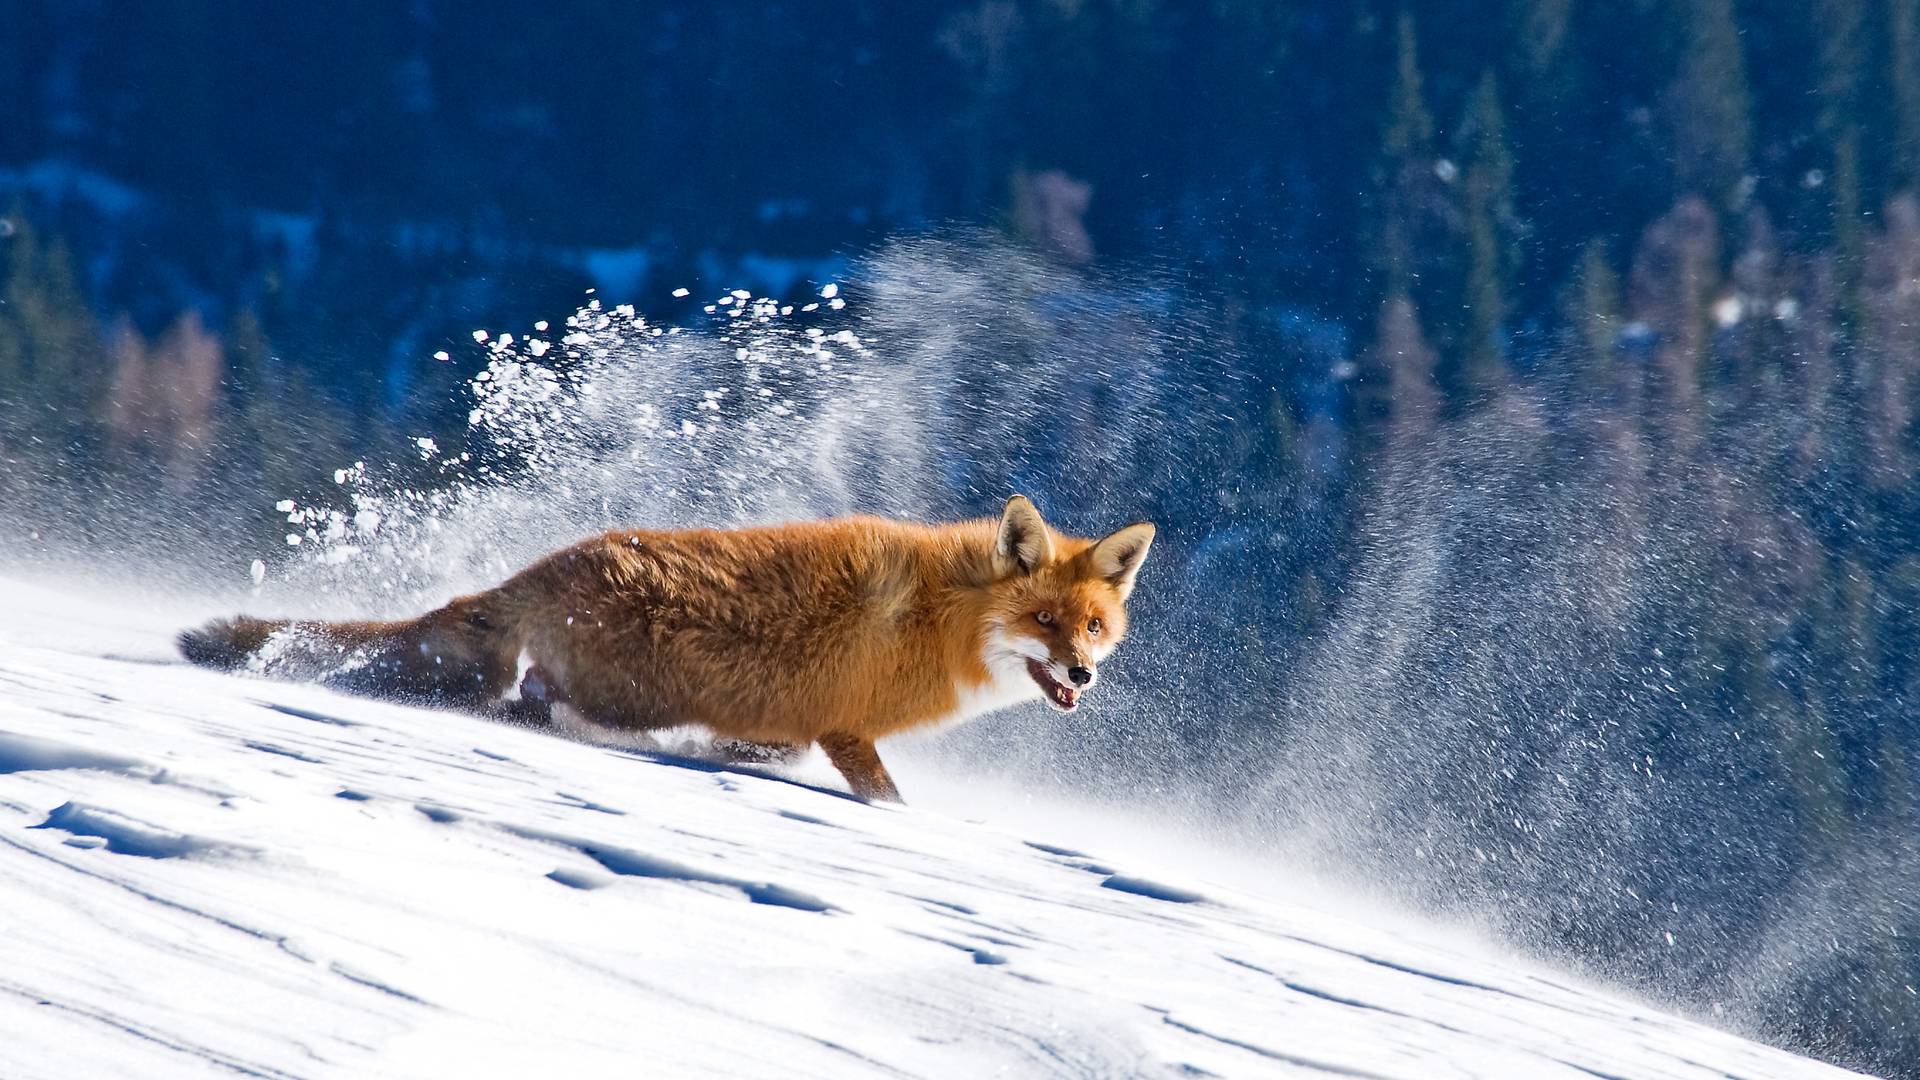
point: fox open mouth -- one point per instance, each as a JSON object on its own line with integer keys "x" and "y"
{"x": 1058, "y": 694}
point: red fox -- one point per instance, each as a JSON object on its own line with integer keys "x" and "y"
{"x": 838, "y": 632}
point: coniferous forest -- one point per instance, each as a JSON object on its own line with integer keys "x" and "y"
{"x": 1571, "y": 352}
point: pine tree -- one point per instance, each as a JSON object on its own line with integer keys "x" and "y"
{"x": 1712, "y": 103}
{"x": 1408, "y": 363}
{"x": 54, "y": 350}
{"x": 1406, "y": 168}
{"x": 1849, "y": 227}
{"x": 1675, "y": 274}
{"x": 1903, "y": 80}
{"x": 1552, "y": 115}
{"x": 13, "y": 349}
{"x": 265, "y": 437}
{"x": 1593, "y": 312}
{"x": 281, "y": 429}
{"x": 1542, "y": 32}
{"x": 1843, "y": 51}
{"x": 1492, "y": 256}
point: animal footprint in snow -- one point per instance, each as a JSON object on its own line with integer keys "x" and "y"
{"x": 1140, "y": 886}
{"x": 629, "y": 863}
{"x": 123, "y": 835}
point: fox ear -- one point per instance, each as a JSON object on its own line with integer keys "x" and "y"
{"x": 1023, "y": 543}
{"x": 1117, "y": 558}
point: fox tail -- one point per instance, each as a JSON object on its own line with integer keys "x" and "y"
{"x": 454, "y": 655}
{"x": 230, "y": 644}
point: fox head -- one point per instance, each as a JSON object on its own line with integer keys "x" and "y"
{"x": 1057, "y": 603}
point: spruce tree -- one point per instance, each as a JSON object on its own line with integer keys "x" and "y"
{"x": 1843, "y": 57}
{"x": 1492, "y": 256}
{"x": 1713, "y": 118}
{"x": 1407, "y": 364}
{"x": 1542, "y": 31}
{"x": 55, "y": 352}
{"x": 1903, "y": 82}
{"x": 1592, "y": 311}
{"x": 1406, "y": 166}
{"x": 1849, "y": 227}
{"x": 283, "y": 433}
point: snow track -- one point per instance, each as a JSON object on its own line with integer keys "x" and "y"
{"x": 204, "y": 875}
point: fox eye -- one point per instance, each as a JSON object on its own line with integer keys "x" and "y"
{"x": 1044, "y": 618}
{"x": 1093, "y": 627}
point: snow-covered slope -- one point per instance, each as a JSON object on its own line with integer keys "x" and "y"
{"x": 202, "y": 874}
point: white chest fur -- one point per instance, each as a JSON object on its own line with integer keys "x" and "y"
{"x": 995, "y": 694}
{"x": 1007, "y": 684}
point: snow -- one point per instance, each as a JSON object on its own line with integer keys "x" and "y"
{"x": 204, "y": 874}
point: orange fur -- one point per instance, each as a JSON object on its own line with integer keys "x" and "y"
{"x": 838, "y": 632}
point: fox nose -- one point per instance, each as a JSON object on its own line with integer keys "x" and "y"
{"x": 1081, "y": 676}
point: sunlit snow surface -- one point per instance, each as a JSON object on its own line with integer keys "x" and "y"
{"x": 210, "y": 875}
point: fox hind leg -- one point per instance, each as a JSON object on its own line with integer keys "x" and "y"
{"x": 859, "y": 762}
{"x": 742, "y": 752}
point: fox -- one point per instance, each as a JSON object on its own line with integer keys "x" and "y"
{"x": 836, "y": 632}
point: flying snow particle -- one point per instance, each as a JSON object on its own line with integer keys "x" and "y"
{"x": 285, "y": 506}
{"x": 829, "y": 291}
{"x": 1728, "y": 311}
{"x": 442, "y": 356}
{"x": 541, "y": 326}
{"x": 479, "y": 335}
{"x": 680, "y": 294}
{"x": 259, "y": 571}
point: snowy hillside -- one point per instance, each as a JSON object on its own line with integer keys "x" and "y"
{"x": 209, "y": 875}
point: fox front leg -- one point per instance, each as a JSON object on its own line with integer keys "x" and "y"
{"x": 539, "y": 694}
{"x": 859, "y": 762}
